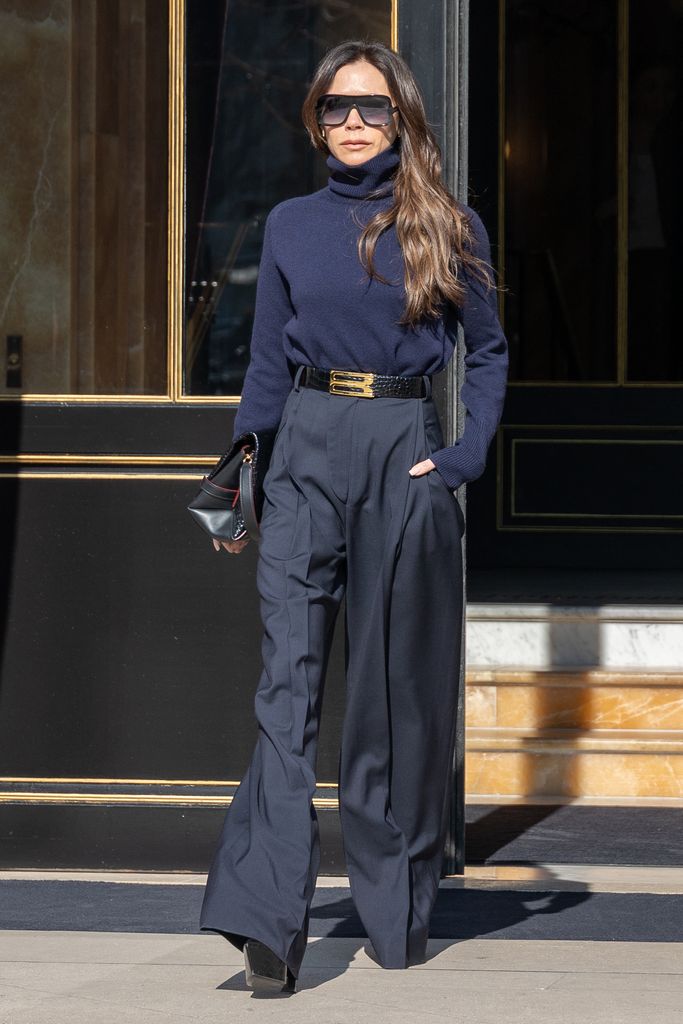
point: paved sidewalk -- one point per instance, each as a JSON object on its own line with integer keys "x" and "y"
{"x": 123, "y": 978}
{"x": 129, "y": 977}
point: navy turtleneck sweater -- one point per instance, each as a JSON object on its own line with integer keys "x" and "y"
{"x": 315, "y": 304}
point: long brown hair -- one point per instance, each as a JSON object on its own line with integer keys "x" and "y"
{"x": 432, "y": 228}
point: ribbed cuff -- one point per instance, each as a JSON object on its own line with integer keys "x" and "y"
{"x": 457, "y": 464}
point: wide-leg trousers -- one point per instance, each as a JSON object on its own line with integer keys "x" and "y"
{"x": 343, "y": 516}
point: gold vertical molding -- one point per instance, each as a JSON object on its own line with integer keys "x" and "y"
{"x": 622, "y": 188}
{"x": 394, "y": 26}
{"x": 501, "y": 158}
{"x": 176, "y": 193}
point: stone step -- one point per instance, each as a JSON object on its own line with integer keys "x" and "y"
{"x": 571, "y": 741}
{"x": 584, "y": 699}
{"x": 582, "y": 734}
{"x": 543, "y": 636}
{"x": 557, "y": 775}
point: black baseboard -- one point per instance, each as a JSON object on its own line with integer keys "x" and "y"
{"x": 183, "y": 838}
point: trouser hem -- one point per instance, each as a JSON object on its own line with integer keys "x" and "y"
{"x": 238, "y": 939}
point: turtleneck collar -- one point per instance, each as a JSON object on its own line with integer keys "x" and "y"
{"x": 355, "y": 182}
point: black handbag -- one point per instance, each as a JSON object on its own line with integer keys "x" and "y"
{"x": 230, "y": 498}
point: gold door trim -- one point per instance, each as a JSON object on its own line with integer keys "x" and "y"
{"x": 622, "y": 189}
{"x": 176, "y": 193}
{"x": 502, "y": 513}
{"x": 78, "y": 780}
{"x": 44, "y": 467}
{"x": 638, "y": 384}
{"x": 109, "y": 460}
{"x": 116, "y": 798}
{"x": 53, "y": 474}
{"x": 135, "y": 798}
{"x": 502, "y": 156}
{"x": 89, "y": 780}
{"x": 518, "y": 441}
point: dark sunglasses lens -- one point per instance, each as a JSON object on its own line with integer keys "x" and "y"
{"x": 333, "y": 112}
{"x": 374, "y": 110}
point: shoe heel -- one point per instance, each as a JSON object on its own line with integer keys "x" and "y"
{"x": 264, "y": 970}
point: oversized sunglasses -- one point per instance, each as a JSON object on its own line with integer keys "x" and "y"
{"x": 332, "y": 109}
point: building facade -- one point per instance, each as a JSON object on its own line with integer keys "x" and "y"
{"x": 148, "y": 141}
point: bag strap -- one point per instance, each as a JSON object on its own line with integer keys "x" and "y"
{"x": 247, "y": 475}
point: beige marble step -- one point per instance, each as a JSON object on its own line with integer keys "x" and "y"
{"x": 587, "y": 733}
{"x": 584, "y": 699}
{"x": 573, "y": 741}
{"x": 558, "y": 776}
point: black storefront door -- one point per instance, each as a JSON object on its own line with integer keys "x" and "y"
{"x": 574, "y": 173}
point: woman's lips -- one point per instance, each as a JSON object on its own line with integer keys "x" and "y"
{"x": 354, "y": 145}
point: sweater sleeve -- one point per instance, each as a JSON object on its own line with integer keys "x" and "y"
{"x": 268, "y": 379}
{"x": 485, "y": 380}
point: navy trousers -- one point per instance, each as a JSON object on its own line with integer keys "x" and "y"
{"x": 342, "y": 516}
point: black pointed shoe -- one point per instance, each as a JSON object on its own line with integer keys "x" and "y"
{"x": 265, "y": 971}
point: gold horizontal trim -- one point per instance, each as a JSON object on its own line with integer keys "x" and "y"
{"x": 92, "y": 798}
{"x": 193, "y": 462}
{"x": 90, "y": 399}
{"x": 588, "y": 426}
{"x": 505, "y": 528}
{"x": 595, "y": 384}
{"x": 90, "y": 780}
{"x": 208, "y": 400}
{"x": 107, "y": 460}
{"x": 639, "y": 516}
{"x": 118, "y": 798}
{"x": 599, "y": 440}
{"x": 166, "y": 399}
{"x": 65, "y": 399}
{"x": 50, "y": 474}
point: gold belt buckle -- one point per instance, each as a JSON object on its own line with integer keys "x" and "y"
{"x": 350, "y": 382}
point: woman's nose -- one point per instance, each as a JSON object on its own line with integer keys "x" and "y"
{"x": 354, "y": 120}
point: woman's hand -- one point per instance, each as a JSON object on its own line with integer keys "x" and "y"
{"x": 233, "y": 546}
{"x": 420, "y": 468}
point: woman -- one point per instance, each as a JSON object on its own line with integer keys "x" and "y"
{"x": 358, "y": 501}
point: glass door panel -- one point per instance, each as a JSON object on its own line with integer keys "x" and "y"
{"x": 248, "y": 66}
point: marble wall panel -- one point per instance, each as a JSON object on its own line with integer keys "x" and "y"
{"x": 544, "y": 638}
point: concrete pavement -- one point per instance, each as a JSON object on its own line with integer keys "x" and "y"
{"x": 123, "y": 977}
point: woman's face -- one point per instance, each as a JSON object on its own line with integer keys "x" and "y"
{"x": 352, "y": 80}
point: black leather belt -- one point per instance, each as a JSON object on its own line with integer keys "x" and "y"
{"x": 362, "y": 385}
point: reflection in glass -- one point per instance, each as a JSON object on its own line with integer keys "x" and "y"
{"x": 560, "y": 189}
{"x": 83, "y": 185}
{"x": 248, "y": 68}
{"x": 655, "y": 199}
